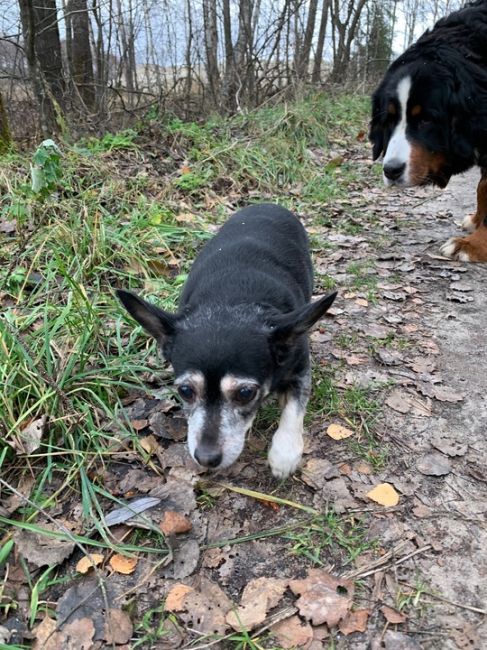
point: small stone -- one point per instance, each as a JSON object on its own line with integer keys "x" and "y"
{"x": 434, "y": 465}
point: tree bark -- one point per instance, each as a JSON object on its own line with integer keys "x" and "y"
{"x": 43, "y": 54}
{"x": 5, "y": 137}
{"x": 305, "y": 50}
{"x": 79, "y": 51}
{"x": 211, "y": 48}
{"x": 320, "y": 44}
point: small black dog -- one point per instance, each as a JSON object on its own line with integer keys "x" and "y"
{"x": 240, "y": 334}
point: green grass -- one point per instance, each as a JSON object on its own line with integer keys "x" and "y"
{"x": 331, "y": 537}
{"x": 105, "y": 218}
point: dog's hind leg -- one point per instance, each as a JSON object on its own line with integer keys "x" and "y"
{"x": 474, "y": 221}
{"x": 287, "y": 443}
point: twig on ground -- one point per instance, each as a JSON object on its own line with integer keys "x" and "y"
{"x": 377, "y": 566}
{"x": 470, "y": 608}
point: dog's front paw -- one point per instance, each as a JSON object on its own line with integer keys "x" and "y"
{"x": 469, "y": 223}
{"x": 283, "y": 461}
{"x": 467, "y": 249}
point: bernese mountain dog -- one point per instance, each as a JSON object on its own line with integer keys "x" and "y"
{"x": 429, "y": 116}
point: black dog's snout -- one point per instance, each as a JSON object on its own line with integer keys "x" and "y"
{"x": 394, "y": 170}
{"x": 208, "y": 457}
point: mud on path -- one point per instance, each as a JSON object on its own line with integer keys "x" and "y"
{"x": 401, "y": 364}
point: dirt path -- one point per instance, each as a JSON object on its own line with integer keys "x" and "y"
{"x": 448, "y": 512}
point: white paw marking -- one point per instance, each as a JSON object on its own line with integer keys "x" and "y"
{"x": 463, "y": 256}
{"x": 283, "y": 461}
{"x": 468, "y": 223}
{"x": 287, "y": 443}
{"x": 448, "y": 249}
{"x": 451, "y": 249}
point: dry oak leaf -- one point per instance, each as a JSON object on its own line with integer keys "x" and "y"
{"x": 392, "y": 616}
{"x": 89, "y": 562}
{"x": 123, "y": 564}
{"x": 324, "y": 598}
{"x": 355, "y": 622}
{"x": 176, "y": 598}
{"x": 259, "y": 595}
{"x": 207, "y": 607}
{"x": 118, "y": 627}
{"x": 292, "y": 632}
{"x": 149, "y": 444}
{"x": 40, "y": 548}
{"x": 384, "y": 494}
{"x": 45, "y": 636}
{"x": 338, "y": 432}
{"x": 174, "y": 522}
{"x": 77, "y": 635}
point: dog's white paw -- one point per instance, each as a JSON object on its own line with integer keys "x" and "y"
{"x": 468, "y": 223}
{"x": 452, "y": 248}
{"x": 283, "y": 460}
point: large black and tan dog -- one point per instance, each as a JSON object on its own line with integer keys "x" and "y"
{"x": 429, "y": 116}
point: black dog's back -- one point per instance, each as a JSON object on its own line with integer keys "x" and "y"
{"x": 260, "y": 255}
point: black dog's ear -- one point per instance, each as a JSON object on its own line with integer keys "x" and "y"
{"x": 377, "y": 138}
{"x": 160, "y": 324}
{"x": 289, "y": 326}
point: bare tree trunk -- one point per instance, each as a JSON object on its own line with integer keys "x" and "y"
{"x": 229, "y": 81}
{"x": 305, "y": 50}
{"x": 43, "y": 54}
{"x": 5, "y": 137}
{"x": 79, "y": 51}
{"x": 346, "y": 31}
{"x": 189, "y": 43}
{"x": 320, "y": 44}
{"x": 211, "y": 48}
{"x": 126, "y": 32}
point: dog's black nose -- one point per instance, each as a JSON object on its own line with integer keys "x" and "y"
{"x": 394, "y": 169}
{"x": 208, "y": 457}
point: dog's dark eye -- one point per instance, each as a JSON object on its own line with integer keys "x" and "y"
{"x": 245, "y": 394}
{"x": 186, "y": 392}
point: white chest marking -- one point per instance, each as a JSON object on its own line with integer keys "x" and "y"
{"x": 399, "y": 149}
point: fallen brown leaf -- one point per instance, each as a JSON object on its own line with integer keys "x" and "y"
{"x": 89, "y": 562}
{"x": 42, "y": 549}
{"x": 392, "y": 615}
{"x": 77, "y": 635}
{"x": 206, "y": 608}
{"x": 176, "y": 597}
{"x": 123, "y": 564}
{"x": 318, "y": 471}
{"x": 292, "y": 632}
{"x": 118, "y": 627}
{"x": 338, "y": 432}
{"x": 149, "y": 444}
{"x": 259, "y": 595}
{"x": 45, "y": 637}
{"x": 174, "y": 523}
{"x": 324, "y": 598}
{"x": 354, "y": 622}
{"x": 384, "y": 494}
{"x": 138, "y": 425}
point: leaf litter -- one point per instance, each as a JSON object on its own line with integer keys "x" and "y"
{"x": 389, "y": 331}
